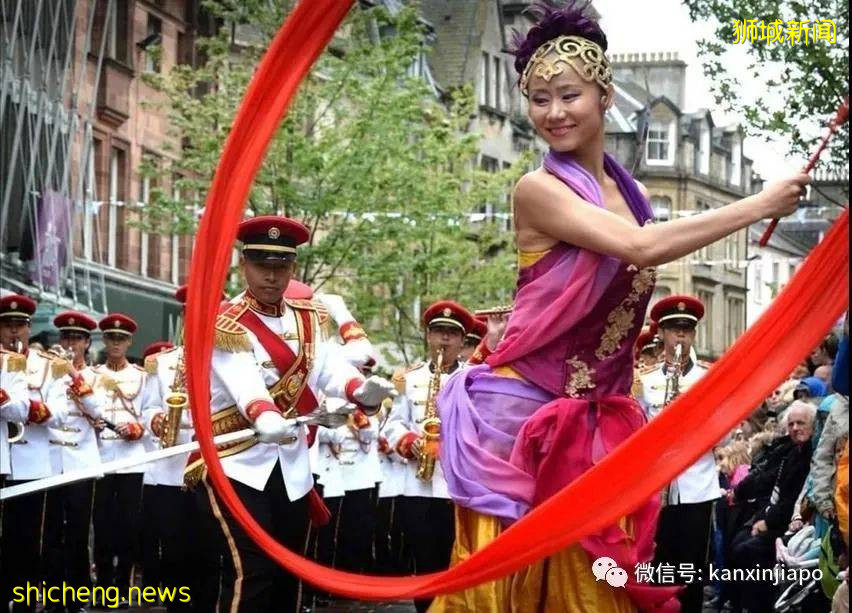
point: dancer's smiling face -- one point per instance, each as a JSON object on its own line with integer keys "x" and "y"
{"x": 568, "y": 111}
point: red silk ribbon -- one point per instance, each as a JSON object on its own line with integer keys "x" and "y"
{"x": 795, "y": 322}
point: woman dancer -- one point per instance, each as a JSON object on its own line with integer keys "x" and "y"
{"x": 554, "y": 396}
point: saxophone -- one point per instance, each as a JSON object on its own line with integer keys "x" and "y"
{"x": 673, "y": 376}
{"x": 176, "y": 402}
{"x": 426, "y": 449}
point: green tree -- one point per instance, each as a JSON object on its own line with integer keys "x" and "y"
{"x": 382, "y": 171}
{"x": 804, "y": 82}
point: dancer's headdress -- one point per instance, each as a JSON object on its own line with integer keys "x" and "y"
{"x": 560, "y": 37}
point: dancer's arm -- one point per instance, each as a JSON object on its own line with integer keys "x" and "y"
{"x": 547, "y": 206}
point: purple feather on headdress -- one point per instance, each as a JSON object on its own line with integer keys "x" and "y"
{"x": 551, "y": 22}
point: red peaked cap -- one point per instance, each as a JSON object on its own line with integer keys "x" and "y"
{"x": 118, "y": 323}
{"x": 678, "y": 307}
{"x": 17, "y": 306}
{"x": 156, "y": 347}
{"x": 448, "y": 313}
{"x": 478, "y": 330}
{"x": 74, "y": 321}
{"x": 271, "y": 237}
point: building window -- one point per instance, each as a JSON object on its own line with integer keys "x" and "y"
{"x": 485, "y": 81}
{"x": 758, "y": 280}
{"x": 659, "y": 149}
{"x": 736, "y": 163}
{"x": 776, "y": 274}
{"x": 117, "y": 38}
{"x": 117, "y": 170}
{"x": 704, "y": 150}
{"x": 497, "y": 80}
{"x": 662, "y": 208}
{"x": 704, "y": 331}
{"x": 735, "y": 319}
{"x": 154, "y": 29}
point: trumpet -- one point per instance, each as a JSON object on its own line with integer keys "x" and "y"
{"x": 426, "y": 451}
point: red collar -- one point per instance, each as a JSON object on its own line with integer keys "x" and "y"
{"x": 272, "y": 310}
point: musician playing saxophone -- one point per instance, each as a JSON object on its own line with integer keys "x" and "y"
{"x": 684, "y": 526}
{"x": 413, "y": 430}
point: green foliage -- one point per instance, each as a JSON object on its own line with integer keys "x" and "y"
{"x": 804, "y": 83}
{"x": 382, "y": 172}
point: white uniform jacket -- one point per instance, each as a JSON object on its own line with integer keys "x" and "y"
{"x": 240, "y": 377}
{"x": 162, "y": 369}
{"x": 13, "y": 381}
{"x": 699, "y": 482}
{"x": 125, "y": 392}
{"x": 31, "y": 454}
{"x": 407, "y": 415}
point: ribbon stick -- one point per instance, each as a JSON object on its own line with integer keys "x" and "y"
{"x": 840, "y": 118}
{"x": 637, "y": 469}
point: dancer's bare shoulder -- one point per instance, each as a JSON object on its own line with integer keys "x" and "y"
{"x": 531, "y": 191}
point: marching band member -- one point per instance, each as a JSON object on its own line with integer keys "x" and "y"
{"x": 30, "y": 451}
{"x": 270, "y": 364}
{"x": 73, "y": 445}
{"x": 118, "y": 496}
{"x": 685, "y": 524}
{"x": 426, "y": 510}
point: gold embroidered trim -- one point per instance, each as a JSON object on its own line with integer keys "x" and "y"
{"x": 580, "y": 379}
{"x": 620, "y": 319}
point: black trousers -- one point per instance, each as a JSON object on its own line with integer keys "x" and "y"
{"x": 683, "y": 537}
{"x": 253, "y": 582}
{"x": 67, "y": 521}
{"x": 118, "y": 505}
{"x": 20, "y": 547}
{"x": 355, "y": 533}
{"x": 388, "y": 541}
{"x": 751, "y": 552}
{"x": 429, "y": 530}
{"x": 169, "y": 536}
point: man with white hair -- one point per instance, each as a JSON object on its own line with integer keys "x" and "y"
{"x": 773, "y": 486}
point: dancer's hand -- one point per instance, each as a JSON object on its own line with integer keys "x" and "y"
{"x": 496, "y": 326}
{"x": 781, "y": 198}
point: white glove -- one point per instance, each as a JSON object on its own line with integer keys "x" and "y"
{"x": 272, "y": 428}
{"x": 336, "y": 308}
{"x": 369, "y": 434}
{"x": 373, "y": 390}
{"x": 359, "y": 353}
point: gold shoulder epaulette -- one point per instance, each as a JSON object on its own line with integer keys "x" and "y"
{"x": 15, "y": 362}
{"x": 323, "y": 318}
{"x": 229, "y": 334}
{"x": 59, "y": 367}
{"x": 298, "y": 303}
{"x": 151, "y": 364}
{"x": 398, "y": 378}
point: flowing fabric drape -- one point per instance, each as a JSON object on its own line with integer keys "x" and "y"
{"x": 796, "y": 321}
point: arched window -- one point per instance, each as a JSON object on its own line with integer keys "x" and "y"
{"x": 662, "y": 208}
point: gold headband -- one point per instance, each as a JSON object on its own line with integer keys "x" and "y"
{"x": 593, "y": 63}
